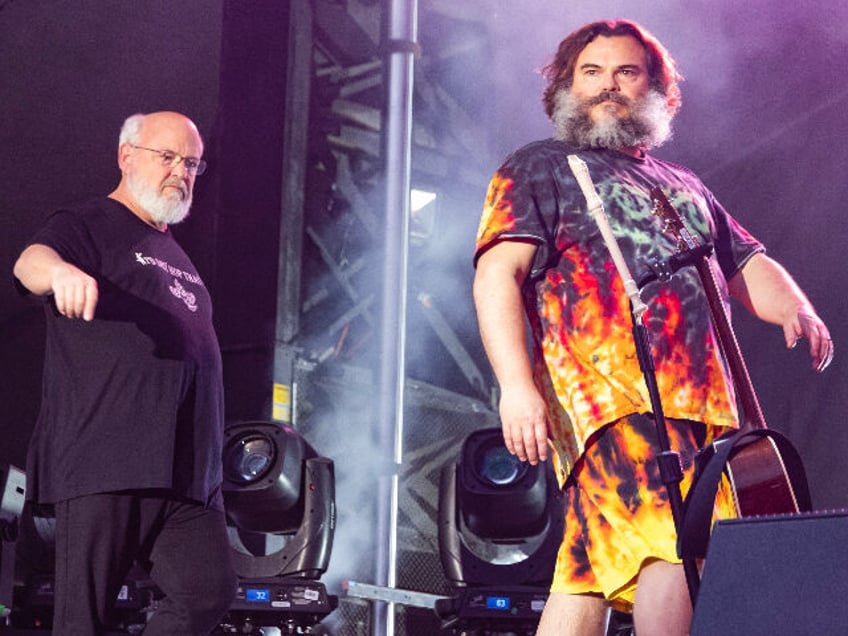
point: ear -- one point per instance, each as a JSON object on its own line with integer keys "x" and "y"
{"x": 124, "y": 154}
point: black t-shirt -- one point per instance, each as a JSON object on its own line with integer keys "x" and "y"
{"x": 134, "y": 398}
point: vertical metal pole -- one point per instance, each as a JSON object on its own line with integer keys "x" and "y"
{"x": 400, "y": 33}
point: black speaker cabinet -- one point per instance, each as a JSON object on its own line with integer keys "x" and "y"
{"x": 786, "y": 575}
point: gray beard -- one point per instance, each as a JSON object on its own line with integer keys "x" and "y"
{"x": 167, "y": 210}
{"x": 648, "y": 126}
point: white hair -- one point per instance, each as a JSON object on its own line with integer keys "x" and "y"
{"x": 131, "y": 130}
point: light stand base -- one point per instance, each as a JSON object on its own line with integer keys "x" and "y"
{"x": 288, "y": 603}
{"x": 496, "y": 608}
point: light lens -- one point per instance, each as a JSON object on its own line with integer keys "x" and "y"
{"x": 498, "y": 466}
{"x": 248, "y": 458}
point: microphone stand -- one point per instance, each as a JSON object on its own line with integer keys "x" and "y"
{"x": 668, "y": 460}
{"x": 671, "y": 471}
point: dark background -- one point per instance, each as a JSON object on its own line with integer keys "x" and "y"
{"x": 763, "y": 123}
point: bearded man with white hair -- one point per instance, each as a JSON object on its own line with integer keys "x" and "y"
{"x": 126, "y": 452}
{"x": 541, "y": 259}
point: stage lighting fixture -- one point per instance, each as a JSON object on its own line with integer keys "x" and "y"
{"x": 277, "y": 490}
{"x": 278, "y": 493}
{"x": 13, "y": 494}
{"x": 500, "y": 519}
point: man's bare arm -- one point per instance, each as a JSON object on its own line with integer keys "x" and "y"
{"x": 42, "y": 271}
{"x": 501, "y": 270}
{"x": 769, "y": 292}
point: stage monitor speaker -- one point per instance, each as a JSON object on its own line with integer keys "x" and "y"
{"x": 786, "y": 574}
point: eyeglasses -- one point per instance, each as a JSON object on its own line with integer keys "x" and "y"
{"x": 169, "y": 159}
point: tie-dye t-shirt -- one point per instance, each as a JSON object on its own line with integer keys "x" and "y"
{"x": 585, "y": 360}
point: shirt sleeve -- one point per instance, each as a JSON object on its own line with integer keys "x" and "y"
{"x": 67, "y": 233}
{"x": 521, "y": 204}
{"x": 734, "y": 245}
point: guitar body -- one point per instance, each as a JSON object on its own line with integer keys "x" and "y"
{"x": 759, "y": 481}
{"x": 756, "y": 471}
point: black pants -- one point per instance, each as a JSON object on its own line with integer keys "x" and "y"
{"x": 183, "y": 546}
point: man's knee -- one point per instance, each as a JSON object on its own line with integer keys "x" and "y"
{"x": 223, "y": 593}
{"x": 574, "y": 615}
{"x": 662, "y": 604}
{"x": 212, "y": 600}
{"x": 197, "y": 617}
{"x": 197, "y": 608}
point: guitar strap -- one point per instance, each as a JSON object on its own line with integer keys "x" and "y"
{"x": 710, "y": 464}
{"x": 697, "y": 514}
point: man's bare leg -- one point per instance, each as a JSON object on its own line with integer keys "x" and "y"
{"x": 662, "y": 606}
{"x": 573, "y": 615}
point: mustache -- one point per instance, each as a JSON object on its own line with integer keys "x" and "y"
{"x": 176, "y": 183}
{"x": 609, "y": 96}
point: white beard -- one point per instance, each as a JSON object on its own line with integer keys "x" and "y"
{"x": 167, "y": 209}
{"x": 648, "y": 126}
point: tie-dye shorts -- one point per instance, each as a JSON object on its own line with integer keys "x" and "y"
{"x": 617, "y": 512}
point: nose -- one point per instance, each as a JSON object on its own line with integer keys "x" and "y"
{"x": 179, "y": 169}
{"x": 609, "y": 82}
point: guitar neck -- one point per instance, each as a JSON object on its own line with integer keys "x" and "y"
{"x": 752, "y": 414}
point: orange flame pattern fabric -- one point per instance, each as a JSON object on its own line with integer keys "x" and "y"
{"x": 617, "y": 510}
{"x": 584, "y": 354}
